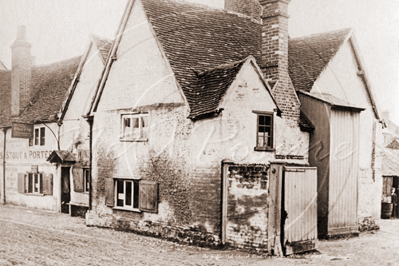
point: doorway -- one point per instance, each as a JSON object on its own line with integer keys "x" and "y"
{"x": 65, "y": 189}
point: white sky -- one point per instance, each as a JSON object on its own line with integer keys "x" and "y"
{"x": 59, "y": 29}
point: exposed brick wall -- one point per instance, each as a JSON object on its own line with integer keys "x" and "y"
{"x": 275, "y": 56}
{"x": 250, "y": 8}
{"x": 21, "y": 72}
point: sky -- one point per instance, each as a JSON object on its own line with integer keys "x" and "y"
{"x": 60, "y": 29}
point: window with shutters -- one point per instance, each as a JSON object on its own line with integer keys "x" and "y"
{"x": 134, "y": 127}
{"x": 126, "y": 194}
{"x": 35, "y": 183}
{"x": 133, "y": 195}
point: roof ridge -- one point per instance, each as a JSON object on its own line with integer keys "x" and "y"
{"x": 223, "y": 66}
{"x": 319, "y": 34}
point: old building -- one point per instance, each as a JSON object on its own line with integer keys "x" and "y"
{"x": 74, "y": 154}
{"x": 328, "y": 72}
{"x": 329, "y": 76}
{"x": 30, "y": 99}
{"x": 185, "y": 126}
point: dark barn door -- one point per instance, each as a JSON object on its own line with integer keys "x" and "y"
{"x": 65, "y": 189}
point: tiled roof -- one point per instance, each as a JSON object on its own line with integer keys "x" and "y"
{"x": 393, "y": 145}
{"x": 196, "y": 39}
{"x": 308, "y": 56}
{"x": 61, "y": 156}
{"x": 212, "y": 85}
{"x": 5, "y": 98}
{"x": 332, "y": 100}
{"x": 103, "y": 45}
{"x": 50, "y": 84}
{"x": 390, "y": 162}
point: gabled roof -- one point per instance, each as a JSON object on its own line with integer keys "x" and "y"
{"x": 103, "y": 46}
{"x": 333, "y": 101}
{"x": 390, "y": 162}
{"x": 196, "y": 39}
{"x": 61, "y": 157}
{"x": 308, "y": 56}
{"x": 393, "y": 145}
{"x": 49, "y": 86}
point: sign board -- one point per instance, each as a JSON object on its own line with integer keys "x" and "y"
{"x": 22, "y": 130}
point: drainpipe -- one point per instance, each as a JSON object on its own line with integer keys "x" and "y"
{"x": 3, "y": 199}
{"x": 89, "y": 120}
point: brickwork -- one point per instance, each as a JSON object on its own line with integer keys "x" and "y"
{"x": 21, "y": 74}
{"x": 275, "y": 57}
{"x": 250, "y": 8}
{"x": 247, "y": 209}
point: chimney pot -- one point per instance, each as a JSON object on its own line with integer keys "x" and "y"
{"x": 21, "y": 33}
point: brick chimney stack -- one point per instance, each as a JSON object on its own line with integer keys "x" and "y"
{"x": 21, "y": 72}
{"x": 275, "y": 55}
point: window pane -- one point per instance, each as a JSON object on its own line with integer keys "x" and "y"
{"x": 36, "y": 136}
{"x": 144, "y": 121}
{"x": 261, "y": 120}
{"x": 135, "y": 122}
{"x": 30, "y": 183}
{"x": 36, "y": 183}
{"x": 126, "y": 127}
{"x": 268, "y": 120}
{"x": 119, "y": 193}
{"x": 261, "y": 129}
{"x": 136, "y": 195}
{"x": 41, "y": 184}
{"x": 128, "y": 194}
{"x": 261, "y": 142}
{"x": 42, "y": 136}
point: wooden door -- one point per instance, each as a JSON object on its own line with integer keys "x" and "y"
{"x": 299, "y": 216}
{"x": 65, "y": 189}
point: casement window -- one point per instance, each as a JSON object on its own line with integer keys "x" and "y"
{"x": 39, "y": 137}
{"x": 81, "y": 179}
{"x": 132, "y": 195}
{"x": 35, "y": 183}
{"x": 134, "y": 127}
{"x": 265, "y": 132}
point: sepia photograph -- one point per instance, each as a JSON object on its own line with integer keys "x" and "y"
{"x": 199, "y": 132}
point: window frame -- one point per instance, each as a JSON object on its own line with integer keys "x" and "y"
{"x": 135, "y": 182}
{"x": 129, "y": 136}
{"x": 39, "y": 137}
{"x": 40, "y": 183}
{"x": 272, "y": 129}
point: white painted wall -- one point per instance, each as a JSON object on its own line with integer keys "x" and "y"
{"x": 19, "y": 159}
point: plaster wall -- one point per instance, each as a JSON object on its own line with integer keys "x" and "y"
{"x": 19, "y": 159}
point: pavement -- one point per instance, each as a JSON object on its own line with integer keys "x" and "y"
{"x": 36, "y": 237}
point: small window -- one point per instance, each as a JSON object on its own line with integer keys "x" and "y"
{"x": 135, "y": 127}
{"x": 40, "y": 137}
{"x": 86, "y": 180}
{"x": 264, "y": 134}
{"x": 127, "y": 194}
{"x": 36, "y": 136}
{"x": 35, "y": 183}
